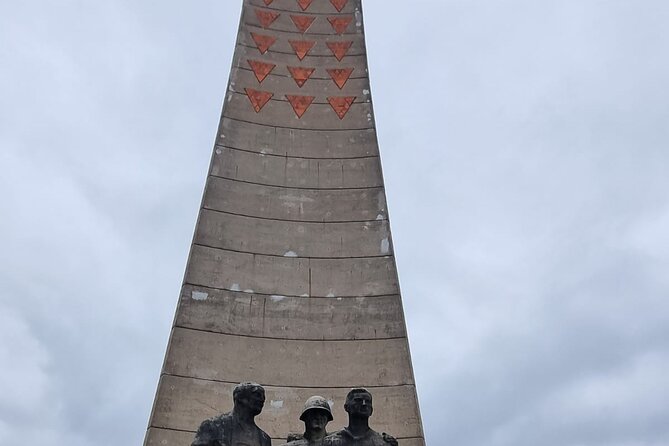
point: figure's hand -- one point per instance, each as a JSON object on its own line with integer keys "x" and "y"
{"x": 390, "y": 440}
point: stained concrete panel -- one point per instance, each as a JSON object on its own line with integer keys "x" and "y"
{"x": 354, "y": 277}
{"x": 183, "y": 403}
{"x": 320, "y": 49}
{"x": 320, "y": 25}
{"x": 216, "y": 356}
{"x": 309, "y": 173}
{"x": 320, "y": 85}
{"x": 282, "y": 61}
{"x": 303, "y": 239}
{"x": 305, "y": 143}
{"x": 290, "y": 276}
{"x": 284, "y": 317}
{"x": 247, "y": 272}
{"x": 279, "y": 113}
{"x": 284, "y": 203}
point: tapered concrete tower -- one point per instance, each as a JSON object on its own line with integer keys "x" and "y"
{"x": 291, "y": 280}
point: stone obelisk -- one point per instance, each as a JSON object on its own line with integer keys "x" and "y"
{"x": 291, "y": 280}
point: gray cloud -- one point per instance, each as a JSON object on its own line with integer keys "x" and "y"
{"x": 524, "y": 149}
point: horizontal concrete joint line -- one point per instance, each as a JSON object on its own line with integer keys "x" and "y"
{"x": 277, "y": 99}
{"x": 371, "y": 296}
{"x": 262, "y": 254}
{"x": 285, "y": 387}
{"x": 163, "y": 428}
{"x": 288, "y": 53}
{"x": 236, "y": 180}
{"x": 237, "y": 335}
{"x": 287, "y": 76}
{"x": 295, "y": 157}
{"x": 294, "y": 221}
{"x": 356, "y": 129}
{"x": 261, "y": 29}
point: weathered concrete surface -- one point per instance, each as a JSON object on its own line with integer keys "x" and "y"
{"x": 284, "y": 23}
{"x": 278, "y": 113}
{"x": 281, "y": 238}
{"x": 184, "y": 402}
{"x": 292, "y": 276}
{"x": 283, "y": 317}
{"x": 291, "y": 142}
{"x": 216, "y": 356}
{"x": 291, "y": 279}
{"x": 282, "y": 203}
{"x": 282, "y": 45}
{"x": 308, "y": 173}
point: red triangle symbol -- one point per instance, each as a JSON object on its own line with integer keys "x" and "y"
{"x": 340, "y": 76}
{"x": 304, "y": 4}
{"x": 261, "y": 69}
{"x": 339, "y": 4}
{"x": 266, "y": 18}
{"x": 258, "y": 98}
{"x": 341, "y": 105}
{"x": 301, "y": 75}
{"x": 263, "y": 42}
{"x": 340, "y": 23}
{"x": 301, "y": 47}
{"x": 302, "y": 22}
{"x": 269, "y": 2}
{"x": 300, "y": 103}
{"x": 339, "y": 49}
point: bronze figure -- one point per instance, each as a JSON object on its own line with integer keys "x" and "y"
{"x": 358, "y": 433}
{"x": 237, "y": 428}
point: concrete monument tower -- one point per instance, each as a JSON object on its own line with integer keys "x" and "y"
{"x": 291, "y": 280}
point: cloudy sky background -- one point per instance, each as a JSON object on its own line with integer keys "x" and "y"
{"x": 525, "y": 148}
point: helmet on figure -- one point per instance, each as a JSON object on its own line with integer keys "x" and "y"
{"x": 317, "y": 403}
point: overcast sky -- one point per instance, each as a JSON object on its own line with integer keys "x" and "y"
{"x": 525, "y": 147}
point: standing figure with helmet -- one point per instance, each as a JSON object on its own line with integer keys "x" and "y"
{"x": 315, "y": 415}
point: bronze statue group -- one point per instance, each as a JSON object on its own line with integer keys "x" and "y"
{"x": 238, "y": 428}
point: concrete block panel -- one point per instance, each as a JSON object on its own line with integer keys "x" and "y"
{"x": 309, "y": 173}
{"x": 320, "y": 49}
{"x": 286, "y": 362}
{"x": 317, "y": 6}
{"x": 278, "y": 113}
{"x": 374, "y": 276}
{"x": 291, "y": 276}
{"x": 283, "y": 317}
{"x": 165, "y": 437}
{"x": 280, "y": 203}
{"x": 282, "y": 60}
{"x": 297, "y": 143}
{"x": 284, "y": 23}
{"x": 320, "y": 85}
{"x": 250, "y": 273}
{"x": 183, "y": 403}
{"x": 281, "y": 238}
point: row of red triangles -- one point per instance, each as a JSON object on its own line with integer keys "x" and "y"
{"x": 340, "y": 104}
{"x": 301, "y": 47}
{"x": 304, "y": 4}
{"x": 300, "y": 74}
{"x": 303, "y": 22}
